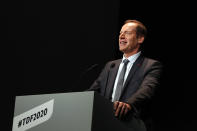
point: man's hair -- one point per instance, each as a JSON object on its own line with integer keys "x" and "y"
{"x": 140, "y": 29}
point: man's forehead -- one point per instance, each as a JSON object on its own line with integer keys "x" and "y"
{"x": 129, "y": 26}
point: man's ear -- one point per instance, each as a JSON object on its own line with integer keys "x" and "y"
{"x": 141, "y": 39}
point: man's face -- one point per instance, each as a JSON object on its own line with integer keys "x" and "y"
{"x": 128, "y": 40}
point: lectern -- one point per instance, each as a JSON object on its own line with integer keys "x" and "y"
{"x": 78, "y": 111}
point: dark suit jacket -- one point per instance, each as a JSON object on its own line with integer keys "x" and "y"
{"x": 139, "y": 87}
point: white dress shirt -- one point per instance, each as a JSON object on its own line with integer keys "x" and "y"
{"x": 131, "y": 59}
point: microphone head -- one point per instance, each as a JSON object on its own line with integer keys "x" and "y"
{"x": 112, "y": 65}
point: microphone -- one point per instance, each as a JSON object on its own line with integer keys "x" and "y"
{"x": 112, "y": 65}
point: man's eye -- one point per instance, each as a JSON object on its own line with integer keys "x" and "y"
{"x": 126, "y": 32}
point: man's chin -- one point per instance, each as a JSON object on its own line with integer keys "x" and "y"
{"x": 122, "y": 50}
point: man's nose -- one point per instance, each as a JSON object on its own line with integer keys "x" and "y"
{"x": 122, "y": 35}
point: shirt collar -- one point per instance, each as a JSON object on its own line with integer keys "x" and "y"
{"x": 132, "y": 58}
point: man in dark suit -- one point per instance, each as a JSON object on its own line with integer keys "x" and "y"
{"x": 130, "y": 82}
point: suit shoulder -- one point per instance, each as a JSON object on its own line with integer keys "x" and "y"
{"x": 149, "y": 62}
{"x": 116, "y": 61}
{"x": 113, "y": 61}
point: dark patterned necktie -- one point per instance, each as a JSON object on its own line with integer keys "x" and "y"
{"x": 120, "y": 81}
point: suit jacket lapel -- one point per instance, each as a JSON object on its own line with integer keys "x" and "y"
{"x": 136, "y": 65}
{"x": 111, "y": 79}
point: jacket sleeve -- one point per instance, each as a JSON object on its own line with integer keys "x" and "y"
{"x": 147, "y": 88}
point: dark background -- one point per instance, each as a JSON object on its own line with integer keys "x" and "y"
{"x": 56, "y": 43}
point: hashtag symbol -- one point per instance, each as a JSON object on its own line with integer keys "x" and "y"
{"x": 19, "y": 123}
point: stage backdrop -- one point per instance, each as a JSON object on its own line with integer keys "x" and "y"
{"x": 61, "y": 46}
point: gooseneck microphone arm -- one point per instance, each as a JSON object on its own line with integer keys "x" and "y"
{"x": 82, "y": 75}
